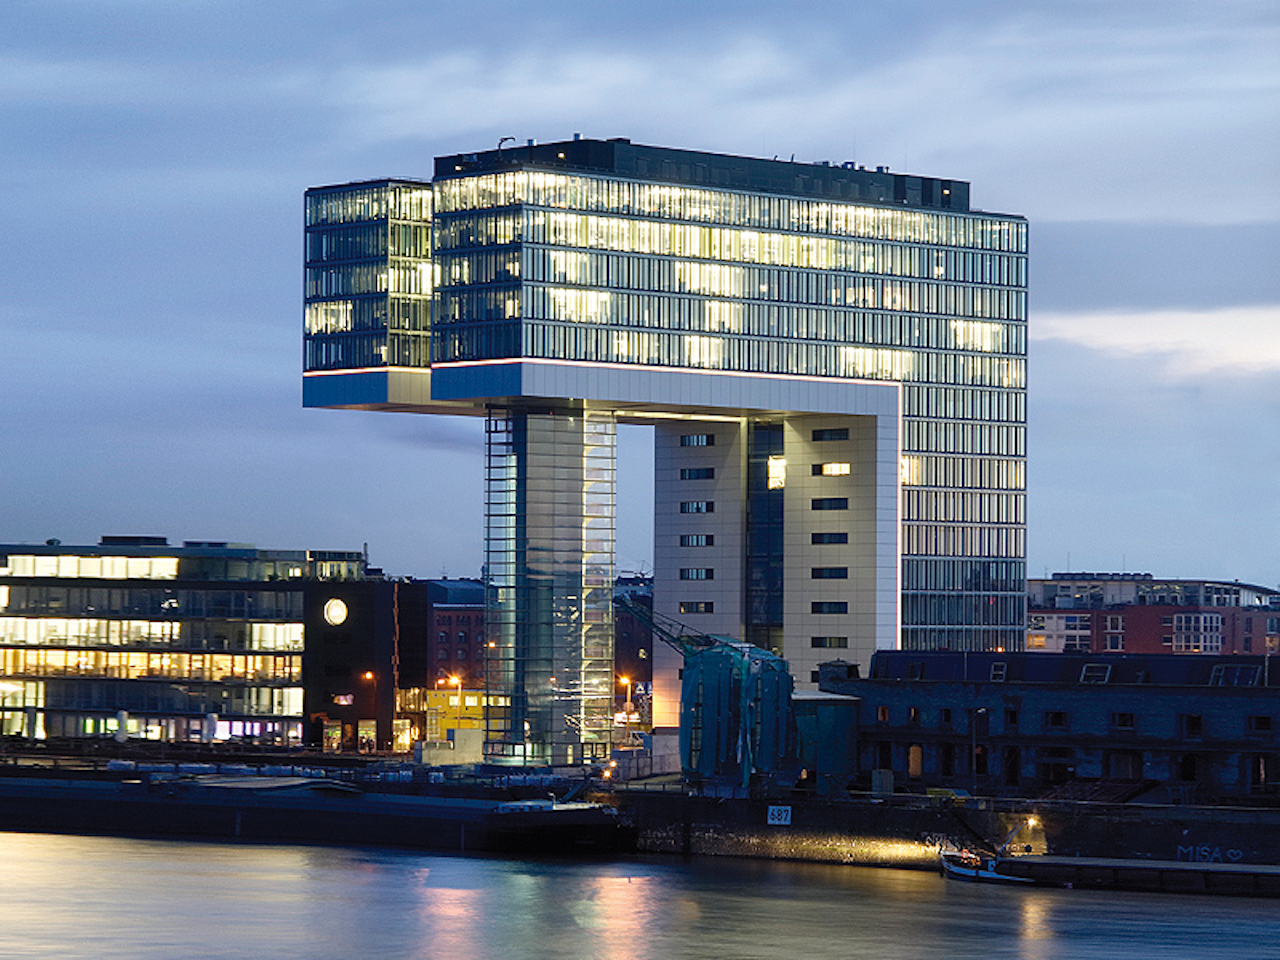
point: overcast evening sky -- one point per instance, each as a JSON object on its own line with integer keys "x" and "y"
{"x": 154, "y": 153}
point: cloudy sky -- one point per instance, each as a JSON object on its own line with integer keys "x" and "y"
{"x": 154, "y": 154}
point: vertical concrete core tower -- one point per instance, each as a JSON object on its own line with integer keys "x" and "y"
{"x": 833, "y": 360}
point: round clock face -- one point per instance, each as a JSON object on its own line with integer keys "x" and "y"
{"x": 335, "y": 612}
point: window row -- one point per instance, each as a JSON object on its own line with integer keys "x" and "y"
{"x": 89, "y": 568}
{"x": 631, "y": 198}
{"x": 760, "y": 264}
{"x": 355, "y": 204}
{"x": 413, "y": 277}
{"x": 943, "y": 637}
{"x": 356, "y": 350}
{"x": 957, "y": 540}
{"x": 964, "y": 403}
{"x": 983, "y": 473}
{"x": 399, "y": 313}
{"x": 125, "y": 665}
{"x": 963, "y": 507}
{"x": 991, "y": 576}
{"x": 671, "y": 311}
{"x": 599, "y": 344}
{"x": 173, "y": 603}
{"x": 368, "y": 241}
{"x": 191, "y": 699}
{"x": 480, "y": 265}
{"x": 944, "y": 437}
{"x": 964, "y": 609}
{"x": 188, "y": 634}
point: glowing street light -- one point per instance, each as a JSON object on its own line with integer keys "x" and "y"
{"x": 627, "y": 707}
{"x": 372, "y": 677}
{"x": 454, "y": 681}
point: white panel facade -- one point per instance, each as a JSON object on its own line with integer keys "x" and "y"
{"x": 841, "y": 570}
{"x": 698, "y": 553}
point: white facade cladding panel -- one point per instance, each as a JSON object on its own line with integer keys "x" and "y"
{"x": 713, "y": 540}
{"x": 659, "y": 389}
{"x": 868, "y": 558}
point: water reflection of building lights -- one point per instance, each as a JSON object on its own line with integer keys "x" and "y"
{"x": 1035, "y": 918}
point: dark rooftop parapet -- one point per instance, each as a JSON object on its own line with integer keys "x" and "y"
{"x": 830, "y": 181}
{"x": 1167, "y": 669}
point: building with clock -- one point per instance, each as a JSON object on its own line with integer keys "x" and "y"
{"x": 832, "y": 360}
{"x": 386, "y": 660}
{"x": 135, "y": 637}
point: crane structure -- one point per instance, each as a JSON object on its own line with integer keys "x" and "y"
{"x": 736, "y": 720}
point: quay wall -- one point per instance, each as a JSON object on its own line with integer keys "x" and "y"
{"x": 908, "y": 831}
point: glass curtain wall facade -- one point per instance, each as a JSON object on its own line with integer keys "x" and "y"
{"x": 601, "y": 269}
{"x": 549, "y": 548}
{"x": 180, "y": 644}
{"x": 766, "y": 556}
{"x": 368, "y": 275}
{"x": 619, "y": 267}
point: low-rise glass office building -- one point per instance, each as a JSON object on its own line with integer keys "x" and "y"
{"x": 135, "y": 637}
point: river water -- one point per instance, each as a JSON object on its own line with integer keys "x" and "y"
{"x": 101, "y": 898}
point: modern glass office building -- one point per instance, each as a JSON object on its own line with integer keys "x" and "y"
{"x": 135, "y": 637}
{"x": 833, "y": 358}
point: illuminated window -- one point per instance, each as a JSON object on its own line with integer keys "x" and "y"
{"x": 831, "y": 469}
{"x": 777, "y": 473}
{"x": 697, "y": 606}
{"x": 698, "y": 440}
{"x": 697, "y": 539}
{"x": 697, "y": 573}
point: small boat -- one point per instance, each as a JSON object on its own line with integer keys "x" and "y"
{"x": 967, "y": 865}
{"x": 963, "y": 865}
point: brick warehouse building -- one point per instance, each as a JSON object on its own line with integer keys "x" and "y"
{"x": 1168, "y": 728}
{"x": 1137, "y": 613}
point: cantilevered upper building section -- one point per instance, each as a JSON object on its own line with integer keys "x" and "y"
{"x": 834, "y": 360}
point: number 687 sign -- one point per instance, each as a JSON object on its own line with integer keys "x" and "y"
{"x": 779, "y": 816}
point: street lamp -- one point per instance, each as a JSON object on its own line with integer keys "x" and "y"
{"x": 373, "y": 678}
{"x": 454, "y": 681}
{"x": 626, "y": 710}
